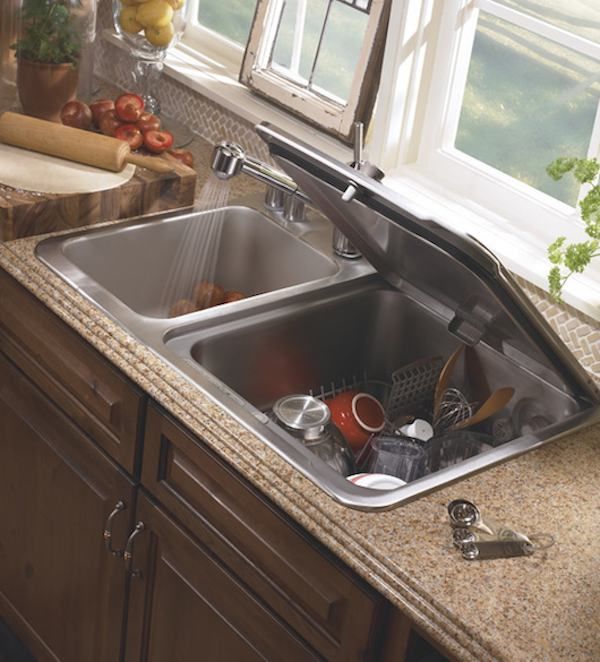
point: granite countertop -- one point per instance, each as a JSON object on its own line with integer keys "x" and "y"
{"x": 544, "y": 607}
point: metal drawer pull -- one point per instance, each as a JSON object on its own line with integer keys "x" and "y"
{"x": 119, "y": 507}
{"x": 128, "y": 554}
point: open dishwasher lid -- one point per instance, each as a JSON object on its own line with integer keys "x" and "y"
{"x": 452, "y": 273}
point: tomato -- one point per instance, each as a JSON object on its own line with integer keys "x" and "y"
{"x": 158, "y": 141}
{"x": 99, "y": 107}
{"x": 148, "y": 122}
{"x": 131, "y": 134}
{"x": 183, "y": 155}
{"x": 76, "y": 114}
{"x": 129, "y": 107}
{"x": 109, "y": 122}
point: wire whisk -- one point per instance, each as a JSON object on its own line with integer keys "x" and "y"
{"x": 452, "y": 410}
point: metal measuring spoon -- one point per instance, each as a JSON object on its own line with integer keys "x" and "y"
{"x": 465, "y": 514}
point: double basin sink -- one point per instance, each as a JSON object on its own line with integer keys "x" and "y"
{"x": 308, "y": 321}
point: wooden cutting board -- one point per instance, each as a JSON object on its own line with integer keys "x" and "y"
{"x": 24, "y": 213}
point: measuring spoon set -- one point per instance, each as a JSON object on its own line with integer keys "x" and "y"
{"x": 480, "y": 540}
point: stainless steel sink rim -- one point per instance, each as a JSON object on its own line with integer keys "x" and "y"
{"x": 158, "y": 334}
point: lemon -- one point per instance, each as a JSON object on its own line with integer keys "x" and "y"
{"x": 160, "y": 36}
{"x": 154, "y": 14}
{"x": 128, "y": 21}
{"x": 176, "y": 4}
{"x": 128, "y": 3}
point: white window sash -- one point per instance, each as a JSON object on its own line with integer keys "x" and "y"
{"x": 321, "y": 109}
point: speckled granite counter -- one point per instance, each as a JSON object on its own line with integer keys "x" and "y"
{"x": 546, "y": 607}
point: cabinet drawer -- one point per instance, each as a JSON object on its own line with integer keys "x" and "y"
{"x": 74, "y": 375}
{"x": 290, "y": 571}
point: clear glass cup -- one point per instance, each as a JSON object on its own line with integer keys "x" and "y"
{"x": 397, "y": 456}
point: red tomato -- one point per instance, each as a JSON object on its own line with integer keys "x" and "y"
{"x": 99, "y": 107}
{"x": 109, "y": 122}
{"x": 148, "y": 122}
{"x": 76, "y": 114}
{"x": 131, "y": 134}
{"x": 158, "y": 141}
{"x": 183, "y": 155}
{"x": 129, "y": 107}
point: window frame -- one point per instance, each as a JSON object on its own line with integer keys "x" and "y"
{"x": 334, "y": 118}
{"x": 424, "y": 74}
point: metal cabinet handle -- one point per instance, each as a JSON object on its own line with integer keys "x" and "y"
{"x": 128, "y": 553}
{"x": 107, "y": 535}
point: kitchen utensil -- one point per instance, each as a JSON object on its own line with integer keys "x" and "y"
{"x": 444, "y": 380}
{"x": 464, "y": 513}
{"x": 376, "y": 481}
{"x": 357, "y": 415}
{"x": 451, "y": 409}
{"x": 309, "y": 419}
{"x": 74, "y": 144}
{"x": 397, "y": 456}
{"x": 495, "y": 403}
{"x": 413, "y": 386}
{"x": 484, "y": 550}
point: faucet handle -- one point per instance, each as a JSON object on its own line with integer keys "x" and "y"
{"x": 358, "y": 141}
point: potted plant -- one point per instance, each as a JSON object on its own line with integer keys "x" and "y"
{"x": 574, "y": 257}
{"x": 48, "y": 52}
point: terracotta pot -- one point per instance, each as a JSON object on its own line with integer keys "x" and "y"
{"x": 45, "y": 88}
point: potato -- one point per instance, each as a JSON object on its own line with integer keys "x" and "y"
{"x": 207, "y": 294}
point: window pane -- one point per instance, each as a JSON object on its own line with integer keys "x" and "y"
{"x": 230, "y": 18}
{"x": 318, "y": 44}
{"x": 581, "y": 17}
{"x": 296, "y": 13}
{"x": 527, "y": 102}
{"x": 340, "y": 50}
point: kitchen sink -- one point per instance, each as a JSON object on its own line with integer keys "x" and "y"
{"x": 315, "y": 324}
{"x": 148, "y": 266}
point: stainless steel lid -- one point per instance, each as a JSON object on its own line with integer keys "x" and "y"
{"x": 453, "y": 274}
{"x": 304, "y": 413}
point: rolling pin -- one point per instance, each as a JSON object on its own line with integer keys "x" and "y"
{"x": 72, "y": 144}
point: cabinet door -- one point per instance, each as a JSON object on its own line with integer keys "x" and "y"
{"x": 185, "y": 606}
{"x": 61, "y": 591}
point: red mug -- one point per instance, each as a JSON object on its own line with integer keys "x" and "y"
{"x": 357, "y": 415}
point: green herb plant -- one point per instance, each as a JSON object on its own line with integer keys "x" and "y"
{"x": 48, "y": 34}
{"x": 571, "y": 258}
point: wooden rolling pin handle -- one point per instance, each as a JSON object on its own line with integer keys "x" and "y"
{"x": 154, "y": 163}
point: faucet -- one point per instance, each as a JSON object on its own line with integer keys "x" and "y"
{"x": 229, "y": 159}
{"x": 341, "y": 244}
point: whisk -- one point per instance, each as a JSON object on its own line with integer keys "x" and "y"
{"x": 453, "y": 408}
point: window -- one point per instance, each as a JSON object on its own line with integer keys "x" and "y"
{"x": 481, "y": 95}
{"x": 318, "y": 58}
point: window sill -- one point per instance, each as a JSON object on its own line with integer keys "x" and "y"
{"x": 219, "y": 84}
{"x": 519, "y": 251}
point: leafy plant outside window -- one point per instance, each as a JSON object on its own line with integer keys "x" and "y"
{"x": 570, "y": 258}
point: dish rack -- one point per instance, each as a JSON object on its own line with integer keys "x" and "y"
{"x": 410, "y": 391}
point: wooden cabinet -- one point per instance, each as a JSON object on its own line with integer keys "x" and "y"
{"x": 60, "y": 590}
{"x": 218, "y": 571}
{"x": 185, "y": 605}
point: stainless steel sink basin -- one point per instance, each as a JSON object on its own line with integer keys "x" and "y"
{"x": 313, "y": 321}
{"x": 148, "y": 266}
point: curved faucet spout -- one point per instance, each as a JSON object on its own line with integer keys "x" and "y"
{"x": 229, "y": 159}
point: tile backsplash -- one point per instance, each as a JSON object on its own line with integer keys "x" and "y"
{"x": 213, "y": 123}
